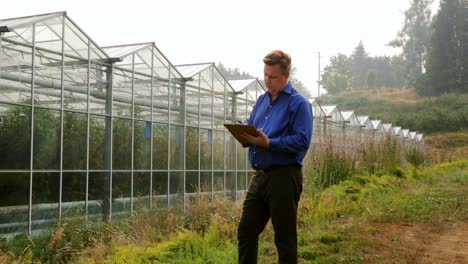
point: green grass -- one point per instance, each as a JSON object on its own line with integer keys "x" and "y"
{"x": 328, "y": 224}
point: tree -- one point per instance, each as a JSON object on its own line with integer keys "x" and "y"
{"x": 447, "y": 65}
{"x": 297, "y": 84}
{"x": 371, "y": 80}
{"x": 337, "y": 76}
{"x": 360, "y": 61}
{"x": 414, "y": 38}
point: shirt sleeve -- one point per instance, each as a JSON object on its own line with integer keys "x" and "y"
{"x": 301, "y": 126}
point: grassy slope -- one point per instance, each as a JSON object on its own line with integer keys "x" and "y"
{"x": 448, "y": 114}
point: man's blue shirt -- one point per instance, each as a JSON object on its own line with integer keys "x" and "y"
{"x": 288, "y": 123}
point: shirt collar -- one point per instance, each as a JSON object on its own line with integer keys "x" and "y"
{"x": 288, "y": 88}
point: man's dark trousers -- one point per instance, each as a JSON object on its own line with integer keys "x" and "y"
{"x": 273, "y": 193}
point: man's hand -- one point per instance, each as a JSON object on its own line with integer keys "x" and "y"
{"x": 261, "y": 140}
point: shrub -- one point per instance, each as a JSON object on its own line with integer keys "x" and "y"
{"x": 414, "y": 156}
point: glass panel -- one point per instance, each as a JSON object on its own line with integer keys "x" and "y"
{"x": 191, "y": 182}
{"x": 192, "y": 101}
{"x": 97, "y": 142}
{"x": 142, "y": 145}
{"x": 230, "y": 182}
{"x": 74, "y": 141}
{"x": 49, "y": 34}
{"x": 76, "y": 70}
{"x": 160, "y": 65}
{"x": 160, "y": 102}
{"x": 15, "y": 73}
{"x": 73, "y": 193}
{"x": 191, "y": 148}
{"x": 76, "y": 43}
{"x": 206, "y": 79}
{"x": 141, "y": 189}
{"x": 206, "y": 181}
{"x": 98, "y": 194}
{"x": 46, "y": 139}
{"x": 160, "y": 140}
{"x": 241, "y": 180}
{"x": 219, "y": 150}
{"x": 98, "y": 89}
{"x": 14, "y": 199}
{"x": 177, "y": 182}
{"x": 47, "y": 80}
{"x": 177, "y": 150}
{"x": 176, "y": 103}
{"x": 45, "y": 197}
{"x": 177, "y": 188}
{"x": 206, "y": 139}
{"x": 121, "y": 187}
{"x": 122, "y": 93}
{"x": 15, "y": 141}
{"x": 143, "y": 61}
{"x": 142, "y": 94}
{"x": 241, "y": 157}
{"x": 218, "y": 85}
{"x": 121, "y": 144}
{"x": 206, "y": 105}
{"x": 218, "y": 113}
{"x": 219, "y": 182}
{"x": 159, "y": 189}
{"x": 231, "y": 144}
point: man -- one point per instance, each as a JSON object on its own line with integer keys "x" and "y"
{"x": 283, "y": 118}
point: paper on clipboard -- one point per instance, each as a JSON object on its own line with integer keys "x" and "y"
{"x": 237, "y": 129}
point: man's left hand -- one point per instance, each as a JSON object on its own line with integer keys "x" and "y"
{"x": 261, "y": 140}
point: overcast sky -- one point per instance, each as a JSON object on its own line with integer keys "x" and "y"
{"x": 237, "y": 33}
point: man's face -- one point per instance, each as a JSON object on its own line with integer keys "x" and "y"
{"x": 275, "y": 79}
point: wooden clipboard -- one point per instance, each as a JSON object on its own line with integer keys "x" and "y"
{"x": 237, "y": 129}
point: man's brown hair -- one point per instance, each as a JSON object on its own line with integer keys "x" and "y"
{"x": 278, "y": 57}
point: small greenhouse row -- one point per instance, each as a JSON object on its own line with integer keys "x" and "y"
{"x": 103, "y": 131}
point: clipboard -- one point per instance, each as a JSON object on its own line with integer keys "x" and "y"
{"x": 237, "y": 129}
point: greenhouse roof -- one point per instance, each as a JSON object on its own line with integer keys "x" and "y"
{"x": 316, "y": 108}
{"x": 388, "y": 127}
{"x": 405, "y": 132}
{"x": 363, "y": 119}
{"x": 190, "y": 70}
{"x": 159, "y": 63}
{"x": 10, "y": 24}
{"x": 419, "y": 137}
{"x": 48, "y": 34}
{"x": 122, "y": 51}
{"x": 347, "y": 114}
{"x": 377, "y": 124}
{"x": 239, "y": 85}
{"x": 397, "y": 130}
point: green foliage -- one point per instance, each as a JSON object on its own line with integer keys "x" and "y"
{"x": 413, "y": 38}
{"x": 370, "y": 80}
{"x": 337, "y": 76}
{"x": 414, "y": 156}
{"x": 70, "y": 237}
{"x": 185, "y": 247}
{"x": 345, "y": 73}
{"x": 331, "y": 167}
{"x": 447, "y": 64}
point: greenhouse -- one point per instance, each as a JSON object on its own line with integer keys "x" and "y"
{"x": 105, "y": 131}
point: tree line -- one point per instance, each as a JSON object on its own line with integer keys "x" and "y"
{"x": 433, "y": 58}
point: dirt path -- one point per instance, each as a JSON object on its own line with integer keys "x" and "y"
{"x": 421, "y": 243}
